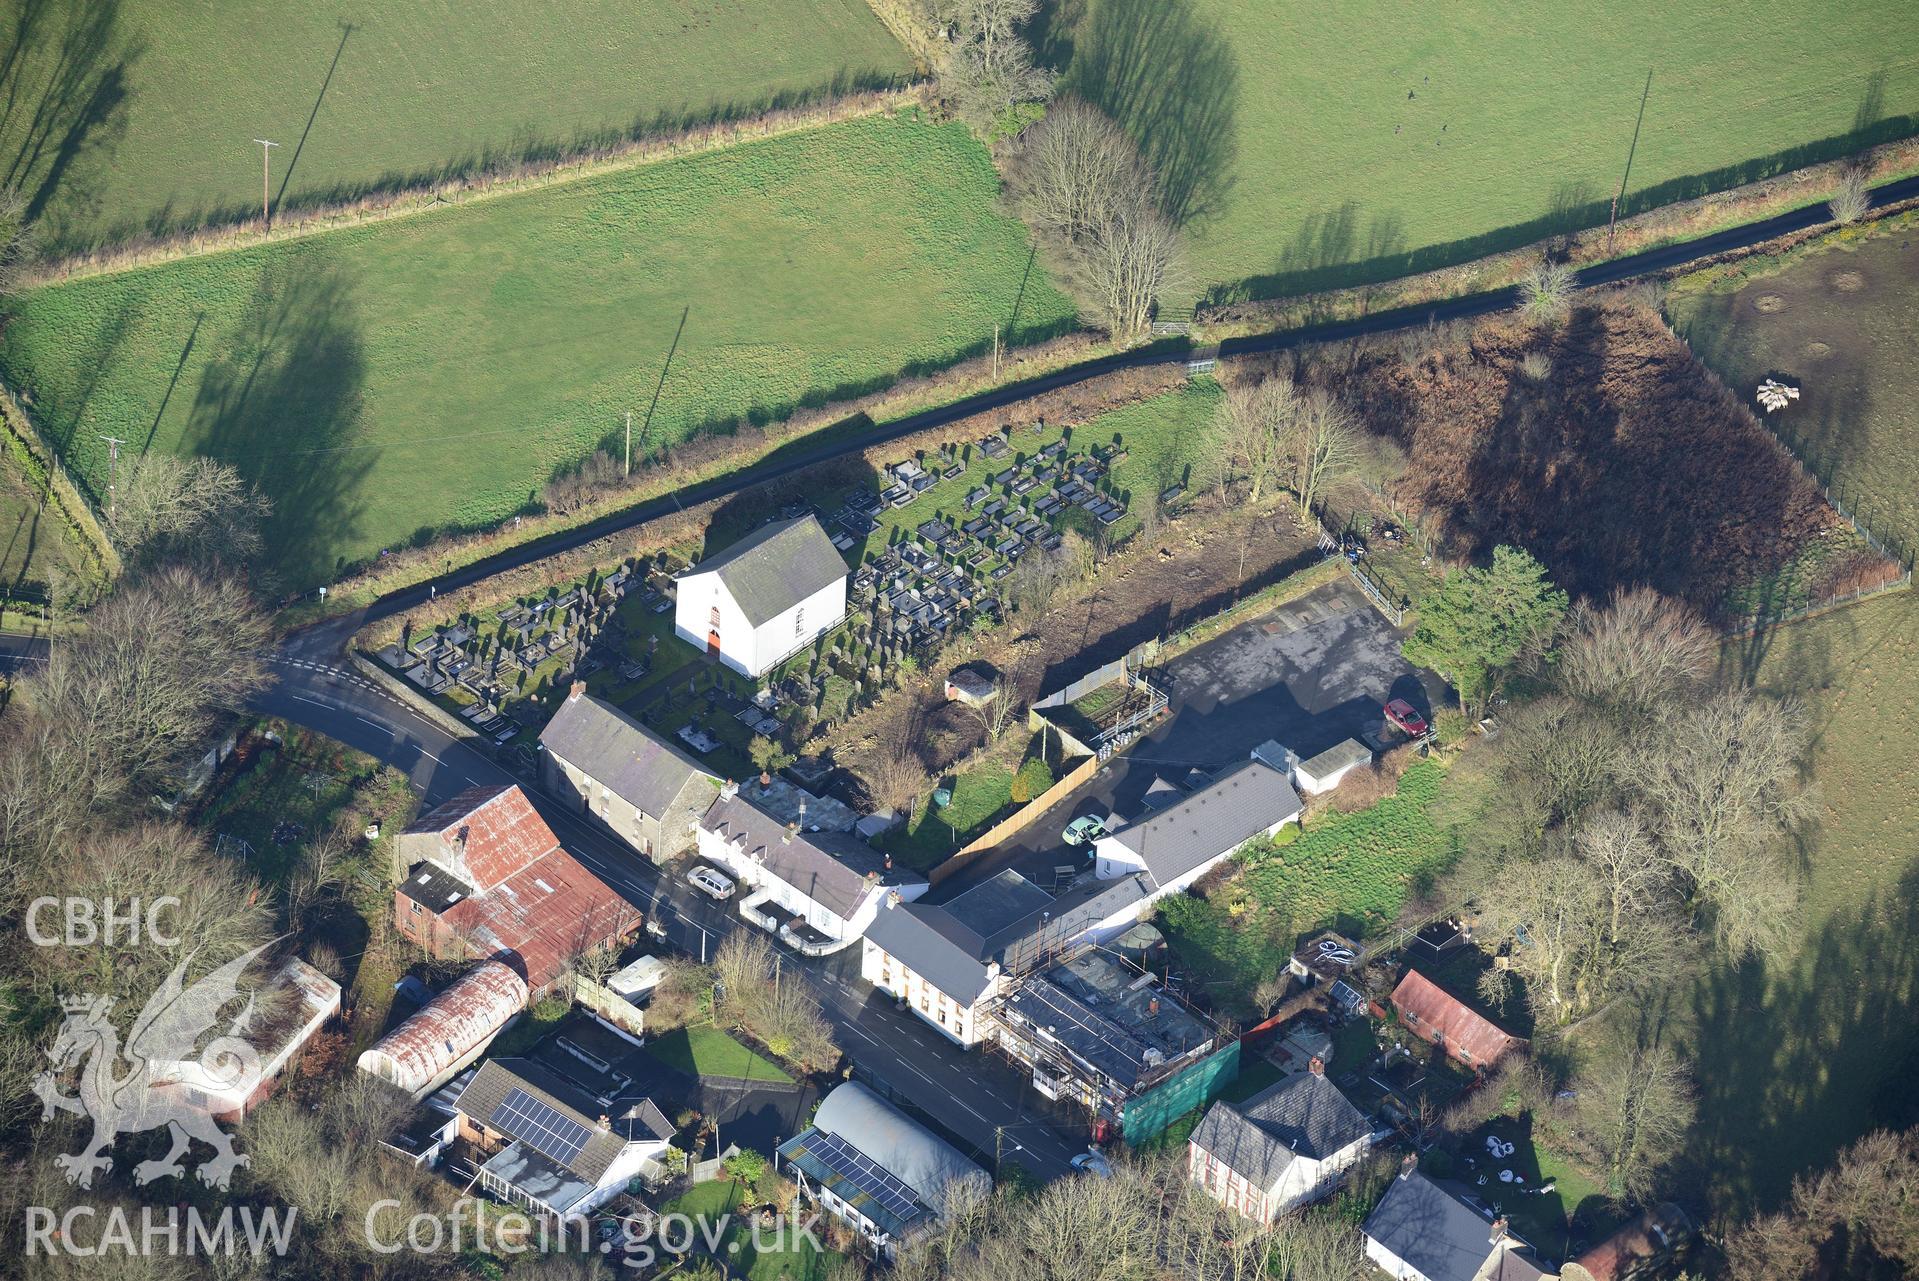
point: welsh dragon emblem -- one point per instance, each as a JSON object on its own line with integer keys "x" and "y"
{"x": 125, "y": 1091}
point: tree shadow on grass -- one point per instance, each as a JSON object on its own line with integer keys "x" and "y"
{"x": 1171, "y": 80}
{"x": 1796, "y": 1061}
{"x": 281, "y": 402}
{"x": 63, "y": 92}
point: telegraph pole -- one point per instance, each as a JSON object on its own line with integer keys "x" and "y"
{"x": 1612, "y": 222}
{"x": 113, "y": 459}
{"x": 266, "y": 168}
{"x": 629, "y": 443}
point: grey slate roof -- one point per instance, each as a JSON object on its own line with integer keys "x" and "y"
{"x": 631, "y": 1120}
{"x": 775, "y": 567}
{"x": 938, "y": 948}
{"x": 1210, "y": 822}
{"x": 831, "y": 868}
{"x": 1305, "y": 1116}
{"x": 632, "y": 761}
{"x": 1429, "y": 1228}
{"x": 943, "y": 943}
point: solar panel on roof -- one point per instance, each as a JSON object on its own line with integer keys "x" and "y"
{"x": 884, "y": 1187}
{"x": 550, "y": 1131}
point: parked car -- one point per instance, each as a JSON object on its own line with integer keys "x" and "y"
{"x": 1083, "y": 829}
{"x": 1093, "y": 1163}
{"x": 1406, "y": 718}
{"x": 711, "y": 883}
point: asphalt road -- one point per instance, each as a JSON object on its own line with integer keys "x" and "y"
{"x": 968, "y": 1095}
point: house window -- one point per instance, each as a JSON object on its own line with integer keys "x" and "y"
{"x": 713, "y": 618}
{"x": 799, "y": 621}
{"x": 415, "y": 908}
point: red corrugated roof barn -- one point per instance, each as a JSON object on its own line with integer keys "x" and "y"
{"x": 492, "y": 881}
{"x": 1435, "y": 1015}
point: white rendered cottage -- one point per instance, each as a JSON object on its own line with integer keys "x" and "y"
{"x": 765, "y": 598}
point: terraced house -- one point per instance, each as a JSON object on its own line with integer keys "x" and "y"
{"x": 618, "y": 772}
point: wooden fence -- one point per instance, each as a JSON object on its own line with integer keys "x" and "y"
{"x": 1017, "y": 821}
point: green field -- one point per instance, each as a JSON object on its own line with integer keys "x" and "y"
{"x": 1797, "y": 1060}
{"x": 36, "y": 546}
{"x": 126, "y": 118}
{"x": 392, "y": 381}
{"x": 1287, "y": 139}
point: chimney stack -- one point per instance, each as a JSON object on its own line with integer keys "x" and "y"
{"x": 1407, "y": 1164}
{"x": 766, "y": 780}
{"x": 791, "y": 828}
{"x": 575, "y": 690}
{"x": 1317, "y": 1066}
{"x": 1499, "y": 1231}
{"x": 606, "y": 1122}
{"x": 729, "y": 789}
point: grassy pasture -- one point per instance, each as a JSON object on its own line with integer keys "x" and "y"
{"x": 127, "y": 118}
{"x": 1799, "y": 1059}
{"x": 1834, "y": 320}
{"x": 386, "y": 382}
{"x": 1310, "y": 148}
{"x": 36, "y": 546}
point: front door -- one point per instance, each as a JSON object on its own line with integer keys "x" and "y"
{"x": 713, "y": 631}
{"x": 713, "y": 643}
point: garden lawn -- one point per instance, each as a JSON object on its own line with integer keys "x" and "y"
{"x": 432, "y": 373}
{"x": 131, "y": 118}
{"x": 1311, "y": 147}
{"x": 932, "y": 834}
{"x": 705, "y": 1203}
{"x": 704, "y": 1050}
{"x": 1348, "y": 871}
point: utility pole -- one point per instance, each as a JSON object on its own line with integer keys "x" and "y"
{"x": 266, "y": 168}
{"x": 1612, "y": 222}
{"x": 629, "y": 443}
{"x": 113, "y": 459}
{"x": 995, "y": 353}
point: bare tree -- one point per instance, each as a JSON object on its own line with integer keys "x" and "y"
{"x": 1036, "y": 581}
{"x": 1071, "y": 167}
{"x": 1638, "y": 652}
{"x": 158, "y": 661}
{"x": 1546, "y": 292}
{"x": 1852, "y": 198}
{"x": 1856, "y": 1219}
{"x": 1322, "y": 447}
{"x": 1128, "y": 260}
{"x": 16, "y": 239}
{"x": 1253, "y": 427}
{"x": 1723, "y": 778}
{"x": 191, "y": 510}
{"x": 1635, "y": 1109}
{"x": 989, "y": 68}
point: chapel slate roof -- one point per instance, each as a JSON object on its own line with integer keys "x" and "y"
{"x": 1215, "y": 820}
{"x": 775, "y": 567}
{"x": 633, "y": 762}
{"x": 1306, "y": 1116}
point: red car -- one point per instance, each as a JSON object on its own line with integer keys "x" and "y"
{"x": 1403, "y": 715}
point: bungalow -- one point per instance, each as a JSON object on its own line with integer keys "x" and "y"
{"x": 1421, "y": 1232}
{"x": 877, "y": 1170}
{"x": 487, "y": 878}
{"x": 549, "y": 1145}
{"x": 765, "y": 598}
{"x": 1281, "y": 1149}
{"x": 1181, "y": 843}
{"x": 1435, "y": 1015}
{"x": 819, "y": 889}
{"x": 623, "y": 775}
